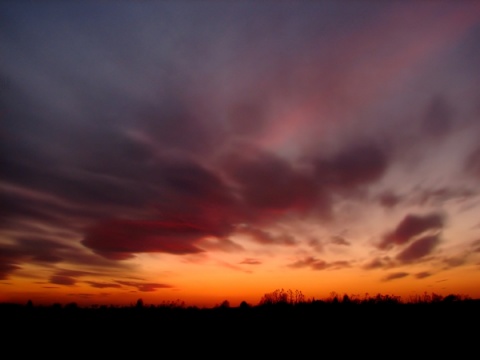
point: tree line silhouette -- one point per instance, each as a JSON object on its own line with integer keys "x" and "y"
{"x": 280, "y": 318}
{"x": 280, "y": 298}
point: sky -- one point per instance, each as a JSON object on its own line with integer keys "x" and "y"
{"x": 202, "y": 151}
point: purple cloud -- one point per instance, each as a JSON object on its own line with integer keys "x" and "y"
{"x": 418, "y": 249}
{"x": 353, "y": 166}
{"x": 410, "y": 227}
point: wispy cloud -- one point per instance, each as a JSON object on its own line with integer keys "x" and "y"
{"x": 395, "y": 276}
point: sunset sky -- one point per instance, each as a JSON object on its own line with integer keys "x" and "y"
{"x": 205, "y": 151}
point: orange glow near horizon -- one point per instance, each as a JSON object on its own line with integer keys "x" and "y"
{"x": 209, "y": 286}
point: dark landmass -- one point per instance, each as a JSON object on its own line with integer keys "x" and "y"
{"x": 385, "y": 319}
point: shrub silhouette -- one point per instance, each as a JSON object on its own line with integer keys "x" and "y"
{"x": 281, "y": 296}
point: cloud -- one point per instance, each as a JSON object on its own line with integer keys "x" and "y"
{"x": 341, "y": 264}
{"x": 120, "y": 239}
{"x": 423, "y": 274}
{"x": 62, "y": 280}
{"x": 389, "y": 199}
{"x": 338, "y": 240}
{"x": 352, "y": 167}
{"x": 394, "y": 276}
{"x": 173, "y": 122}
{"x": 250, "y": 261}
{"x": 429, "y": 196}
{"x": 234, "y": 267}
{"x": 222, "y": 244}
{"x": 44, "y": 251}
{"x": 100, "y": 285}
{"x": 437, "y": 121}
{"x": 7, "y": 266}
{"x": 247, "y": 118}
{"x": 377, "y": 263}
{"x": 455, "y": 261}
{"x": 268, "y": 184}
{"x": 264, "y": 237}
{"x": 476, "y": 246}
{"x": 68, "y": 277}
{"x": 144, "y": 287}
{"x": 419, "y": 248}
{"x": 309, "y": 262}
{"x": 439, "y": 196}
{"x": 318, "y": 264}
{"x": 472, "y": 163}
{"x": 410, "y": 227}
{"x": 75, "y": 273}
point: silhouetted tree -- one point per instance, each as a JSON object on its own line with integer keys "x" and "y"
{"x": 225, "y": 304}
{"x": 71, "y": 306}
{"x": 280, "y": 296}
{"x": 244, "y": 305}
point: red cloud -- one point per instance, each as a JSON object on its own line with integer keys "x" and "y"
{"x": 119, "y": 239}
{"x": 62, "y": 280}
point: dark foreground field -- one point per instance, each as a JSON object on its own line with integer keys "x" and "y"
{"x": 367, "y": 328}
